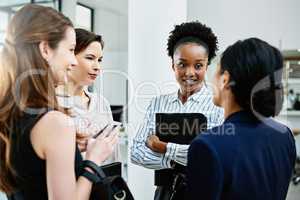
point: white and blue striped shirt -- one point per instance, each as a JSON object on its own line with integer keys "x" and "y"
{"x": 200, "y": 102}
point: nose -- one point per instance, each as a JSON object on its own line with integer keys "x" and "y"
{"x": 96, "y": 66}
{"x": 189, "y": 71}
{"x": 73, "y": 61}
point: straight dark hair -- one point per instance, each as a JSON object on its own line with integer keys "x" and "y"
{"x": 255, "y": 69}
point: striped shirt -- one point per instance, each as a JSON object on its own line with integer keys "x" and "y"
{"x": 200, "y": 102}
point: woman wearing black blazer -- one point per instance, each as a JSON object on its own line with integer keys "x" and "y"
{"x": 250, "y": 156}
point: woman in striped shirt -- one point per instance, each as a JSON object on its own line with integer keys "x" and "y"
{"x": 191, "y": 46}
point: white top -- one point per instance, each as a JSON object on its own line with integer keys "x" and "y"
{"x": 200, "y": 102}
{"x": 91, "y": 119}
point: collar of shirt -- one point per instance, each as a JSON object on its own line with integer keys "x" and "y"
{"x": 195, "y": 97}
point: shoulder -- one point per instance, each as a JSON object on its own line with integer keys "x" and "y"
{"x": 219, "y": 137}
{"x": 274, "y": 126}
{"x": 55, "y": 119}
{"x": 53, "y": 128}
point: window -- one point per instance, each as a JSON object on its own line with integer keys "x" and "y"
{"x": 84, "y": 17}
{"x": 9, "y": 7}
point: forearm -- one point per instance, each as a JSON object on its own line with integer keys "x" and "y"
{"x": 142, "y": 155}
{"x": 83, "y": 188}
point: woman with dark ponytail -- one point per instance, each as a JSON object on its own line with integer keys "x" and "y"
{"x": 250, "y": 156}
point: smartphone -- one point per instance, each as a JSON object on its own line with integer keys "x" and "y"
{"x": 114, "y": 125}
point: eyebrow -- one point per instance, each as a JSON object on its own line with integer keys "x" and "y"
{"x": 89, "y": 54}
{"x": 198, "y": 60}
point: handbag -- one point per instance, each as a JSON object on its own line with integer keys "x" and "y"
{"x": 111, "y": 186}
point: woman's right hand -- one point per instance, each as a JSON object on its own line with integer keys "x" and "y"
{"x": 99, "y": 149}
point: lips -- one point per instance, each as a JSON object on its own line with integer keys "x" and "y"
{"x": 93, "y": 76}
{"x": 190, "y": 81}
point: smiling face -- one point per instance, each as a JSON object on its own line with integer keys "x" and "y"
{"x": 88, "y": 67}
{"x": 62, "y": 58}
{"x": 190, "y": 64}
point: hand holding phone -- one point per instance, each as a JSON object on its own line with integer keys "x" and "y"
{"x": 113, "y": 126}
{"x": 102, "y": 144}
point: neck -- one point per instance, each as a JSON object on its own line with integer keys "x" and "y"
{"x": 71, "y": 89}
{"x": 230, "y": 106}
{"x": 184, "y": 94}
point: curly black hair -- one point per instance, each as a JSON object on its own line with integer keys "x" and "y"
{"x": 193, "y": 32}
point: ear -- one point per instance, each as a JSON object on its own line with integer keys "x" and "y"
{"x": 45, "y": 50}
{"x": 226, "y": 80}
{"x": 173, "y": 65}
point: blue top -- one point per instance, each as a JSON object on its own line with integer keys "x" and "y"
{"x": 242, "y": 159}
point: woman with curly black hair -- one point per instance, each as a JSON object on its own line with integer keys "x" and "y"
{"x": 191, "y": 46}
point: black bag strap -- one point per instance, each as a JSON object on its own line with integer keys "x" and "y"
{"x": 95, "y": 168}
{"x": 91, "y": 177}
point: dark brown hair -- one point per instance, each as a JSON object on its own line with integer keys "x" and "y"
{"x": 84, "y": 38}
{"x": 21, "y": 56}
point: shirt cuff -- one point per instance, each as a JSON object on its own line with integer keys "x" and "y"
{"x": 169, "y": 155}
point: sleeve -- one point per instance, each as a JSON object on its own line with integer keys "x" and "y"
{"x": 103, "y": 108}
{"x": 177, "y": 153}
{"x": 204, "y": 172}
{"x": 140, "y": 153}
{"x": 106, "y": 108}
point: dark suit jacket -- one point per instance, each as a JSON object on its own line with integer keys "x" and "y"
{"x": 242, "y": 159}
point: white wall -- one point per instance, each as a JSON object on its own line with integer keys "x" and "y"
{"x": 113, "y": 26}
{"x": 271, "y": 20}
{"x": 149, "y": 25}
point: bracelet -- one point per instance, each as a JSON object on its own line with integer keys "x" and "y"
{"x": 90, "y": 176}
{"x": 95, "y": 168}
